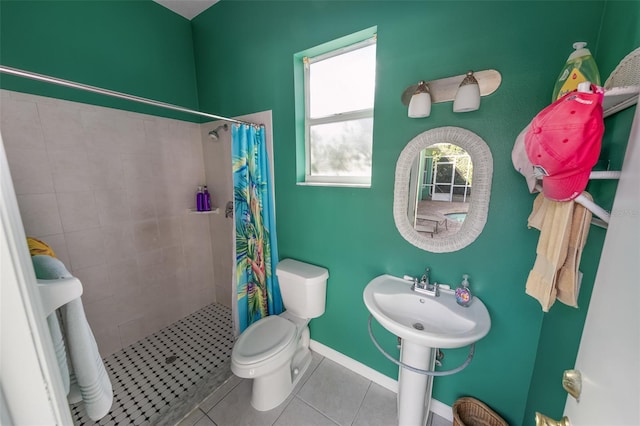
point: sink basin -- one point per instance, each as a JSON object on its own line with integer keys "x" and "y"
{"x": 435, "y": 322}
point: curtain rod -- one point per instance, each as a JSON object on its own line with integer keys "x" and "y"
{"x": 112, "y": 93}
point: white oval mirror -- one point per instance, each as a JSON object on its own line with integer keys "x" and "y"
{"x": 442, "y": 189}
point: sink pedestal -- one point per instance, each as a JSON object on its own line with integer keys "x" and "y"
{"x": 423, "y": 322}
{"x": 414, "y": 389}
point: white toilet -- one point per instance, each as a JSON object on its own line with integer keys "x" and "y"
{"x": 274, "y": 351}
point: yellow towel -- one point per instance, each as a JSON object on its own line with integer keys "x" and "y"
{"x": 568, "y": 283}
{"x": 39, "y": 247}
{"x": 553, "y": 219}
{"x": 564, "y": 227}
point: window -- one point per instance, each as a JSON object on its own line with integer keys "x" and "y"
{"x": 339, "y": 86}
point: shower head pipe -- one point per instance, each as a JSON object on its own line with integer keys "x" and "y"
{"x": 213, "y": 134}
{"x": 114, "y": 94}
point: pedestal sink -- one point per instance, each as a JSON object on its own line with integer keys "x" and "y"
{"x": 424, "y": 323}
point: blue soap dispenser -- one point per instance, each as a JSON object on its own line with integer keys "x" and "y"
{"x": 463, "y": 294}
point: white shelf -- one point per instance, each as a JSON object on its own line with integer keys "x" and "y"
{"x": 618, "y": 98}
{"x": 58, "y": 292}
{"x": 212, "y": 211}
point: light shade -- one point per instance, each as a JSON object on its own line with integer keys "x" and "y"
{"x": 420, "y": 104}
{"x": 468, "y": 95}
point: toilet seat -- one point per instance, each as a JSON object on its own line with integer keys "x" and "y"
{"x": 263, "y": 340}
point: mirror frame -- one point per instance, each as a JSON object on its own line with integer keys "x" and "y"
{"x": 478, "y": 208}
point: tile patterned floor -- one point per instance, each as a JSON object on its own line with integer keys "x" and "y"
{"x": 327, "y": 395}
{"x": 162, "y": 376}
{"x": 181, "y": 376}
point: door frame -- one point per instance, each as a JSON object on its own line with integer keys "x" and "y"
{"x": 31, "y": 391}
{"x": 610, "y": 343}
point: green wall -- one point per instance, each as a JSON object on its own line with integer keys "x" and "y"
{"x": 136, "y": 47}
{"x": 244, "y": 56}
{"x": 242, "y": 51}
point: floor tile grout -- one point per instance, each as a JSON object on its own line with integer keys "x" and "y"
{"x": 150, "y": 391}
{"x": 154, "y": 378}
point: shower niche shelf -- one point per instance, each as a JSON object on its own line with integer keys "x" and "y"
{"x": 212, "y": 211}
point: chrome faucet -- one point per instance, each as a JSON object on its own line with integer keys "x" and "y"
{"x": 424, "y": 286}
{"x": 424, "y": 281}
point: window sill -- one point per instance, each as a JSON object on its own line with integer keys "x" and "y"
{"x": 335, "y": 184}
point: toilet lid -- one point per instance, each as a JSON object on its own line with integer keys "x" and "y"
{"x": 263, "y": 339}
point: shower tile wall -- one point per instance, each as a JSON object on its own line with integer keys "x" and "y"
{"x": 109, "y": 191}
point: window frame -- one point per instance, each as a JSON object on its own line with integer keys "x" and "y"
{"x": 307, "y": 60}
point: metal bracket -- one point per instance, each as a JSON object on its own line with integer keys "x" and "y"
{"x": 572, "y": 383}
{"x": 542, "y": 420}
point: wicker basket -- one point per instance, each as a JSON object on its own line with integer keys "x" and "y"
{"x": 469, "y": 411}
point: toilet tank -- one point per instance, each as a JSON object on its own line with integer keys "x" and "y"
{"x": 303, "y": 287}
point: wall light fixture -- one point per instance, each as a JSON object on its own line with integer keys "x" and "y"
{"x": 468, "y": 95}
{"x": 465, "y": 90}
{"x": 420, "y": 103}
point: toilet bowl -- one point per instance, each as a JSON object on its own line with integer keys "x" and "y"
{"x": 274, "y": 351}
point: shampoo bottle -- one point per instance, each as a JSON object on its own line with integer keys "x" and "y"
{"x": 463, "y": 294}
{"x": 580, "y": 67}
{"x": 207, "y": 199}
{"x": 200, "y": 200}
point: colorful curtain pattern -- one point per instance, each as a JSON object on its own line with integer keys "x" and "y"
{"x": 256, "y": 249}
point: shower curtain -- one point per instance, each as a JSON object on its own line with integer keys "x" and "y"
{"x": 256, "y": 254}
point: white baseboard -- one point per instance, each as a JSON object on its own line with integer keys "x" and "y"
{"x": 355, "y": 366}
{"x": 442, "y": 409}
{"x": 437, "y": 407}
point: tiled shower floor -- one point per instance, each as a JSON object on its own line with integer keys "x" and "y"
{"x": 162, "y": 377}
